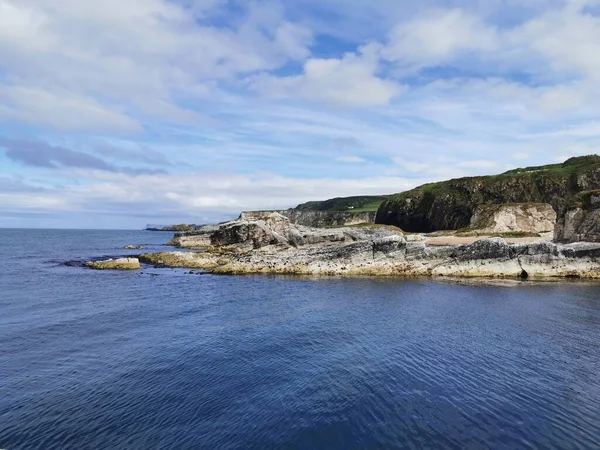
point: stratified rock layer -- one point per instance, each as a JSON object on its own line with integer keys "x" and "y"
{"x": 514, "y": 218}
{"x": 274, "y": 245}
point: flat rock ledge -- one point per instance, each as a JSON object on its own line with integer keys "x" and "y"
{"x": 115, "y": 264}
{"x": 273, "y": 245}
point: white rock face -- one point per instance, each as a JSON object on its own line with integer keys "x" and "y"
{"x": 514, "y": 218}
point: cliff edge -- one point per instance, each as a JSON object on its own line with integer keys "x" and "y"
{"x": 450, "y": 205}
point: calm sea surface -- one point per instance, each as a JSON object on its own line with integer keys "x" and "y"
{"x": 164, "y": 359}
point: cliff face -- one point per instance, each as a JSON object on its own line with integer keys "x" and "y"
{"x": 581, "y": 222}
{"x": 450, "y": 205}
{"x": 510, "y": 218}
{"x": 318, "y": 219}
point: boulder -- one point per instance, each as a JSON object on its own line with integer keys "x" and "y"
{"x": 115, "y": 264}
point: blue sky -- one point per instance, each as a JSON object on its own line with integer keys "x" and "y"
{"x": 116, "y": 114}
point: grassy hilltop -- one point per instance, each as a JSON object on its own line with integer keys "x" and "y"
{"x": 449, "y": 205}
{"x": 365, "y": 203}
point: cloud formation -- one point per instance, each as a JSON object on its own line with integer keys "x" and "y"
{"x": 199, "y": 108}
{"x": 40, "y": 154}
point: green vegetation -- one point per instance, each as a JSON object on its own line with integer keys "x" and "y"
{"x": 367, "y": 203}
{"x": 570, "y": 166}
{"x": 449, "y": 205}
{"x": 179, "y": 227}
{"x": 587, "y": 200}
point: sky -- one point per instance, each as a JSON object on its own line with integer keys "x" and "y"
{"x": 115, "y": 114}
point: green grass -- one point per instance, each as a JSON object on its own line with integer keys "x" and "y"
{"x": 571, "y": 165}
{"x": 360, "y": 204}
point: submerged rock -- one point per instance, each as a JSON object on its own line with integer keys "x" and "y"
{"x": 115, "y": 264}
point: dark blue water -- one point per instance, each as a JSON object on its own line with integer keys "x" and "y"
{"x": 167, "y": 360}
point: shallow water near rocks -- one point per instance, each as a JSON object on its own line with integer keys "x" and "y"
{"x": 162, "y": 359}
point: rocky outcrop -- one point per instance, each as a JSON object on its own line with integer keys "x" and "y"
{"x": 528, "y": 218}
{"x": 115, "y": 264}
{"x": 582, "y": 221}
{"x": 449, "y": 205}
{"x": 253, "y": 230}
{"x": 317, "y": 219}
{"x": 274, "y": 245}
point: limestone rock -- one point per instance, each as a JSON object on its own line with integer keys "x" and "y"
{"x": 514, "y": 218}
{"x": 272, "y": 244}
{"x": 248, "y": 233}
{"x": 115, "y": 264}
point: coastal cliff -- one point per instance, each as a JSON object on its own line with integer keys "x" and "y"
{"x": 272, "y": 244}
{"x": 581, "y": 221}
{"x": 450, "y": 205}
{"x": 495, "y": 226}
{"x": 533, "y": 218}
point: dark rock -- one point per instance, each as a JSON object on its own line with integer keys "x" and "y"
{"x": 450, "y": 205}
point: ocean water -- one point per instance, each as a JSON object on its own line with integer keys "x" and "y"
{"x": 165, "y": 359}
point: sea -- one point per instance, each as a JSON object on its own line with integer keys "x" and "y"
{"x": 177, "y": 359}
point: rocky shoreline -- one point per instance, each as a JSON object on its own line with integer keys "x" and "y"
{"x": 273, "y": 245}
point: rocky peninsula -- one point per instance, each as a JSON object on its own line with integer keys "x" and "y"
{"x": 536, "y": 222}
{"x": 272, "y": 244}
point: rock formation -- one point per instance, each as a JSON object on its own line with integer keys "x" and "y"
{"x": 253, "y": 231}
{"x": 115, "y": 264}
{"x": 581, "y": 222}
{"x": 449, "y": 205}
{"x": 272, "y": 244}
{"x": 533, "y": 218}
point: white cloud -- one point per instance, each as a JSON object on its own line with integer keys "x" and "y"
{"x": 140, "y": 54}
{"x": 569, "y": 39}
{"x": 438, "y": 92}
{"x": 173, "y": 196}
{"x": 351, "y": 81}
{"x": 61, "y": 110}
{"x": 439, "y": 36}
{"x": 353, "y": 159}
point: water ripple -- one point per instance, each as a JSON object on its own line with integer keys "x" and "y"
{"x": 126, "y": 361}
